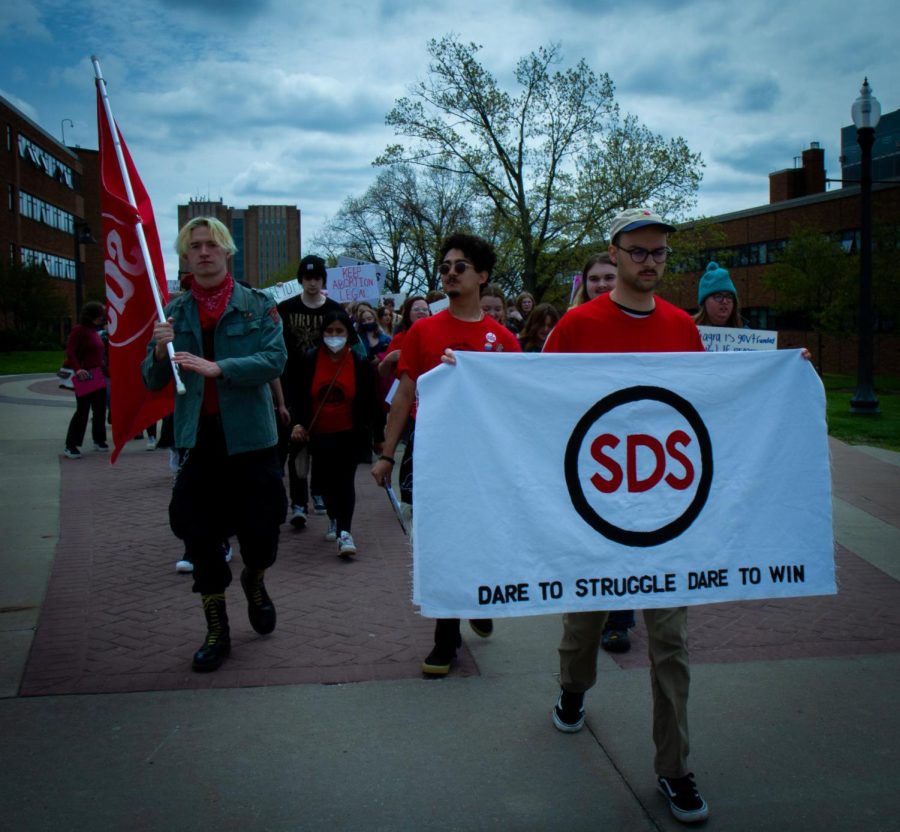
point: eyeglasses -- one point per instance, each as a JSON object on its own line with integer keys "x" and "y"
{"x": 639, "y": 255}
{"x": 722, "y": 297}
{"x": 458, "y": 266}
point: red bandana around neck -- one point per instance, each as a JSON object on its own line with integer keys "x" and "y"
{"x": 211, "y": 303}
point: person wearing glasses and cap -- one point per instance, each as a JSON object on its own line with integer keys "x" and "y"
{"x": 631, "y": 318}
{"x": 718, "y": 299}
{"x": 466, "y": 265}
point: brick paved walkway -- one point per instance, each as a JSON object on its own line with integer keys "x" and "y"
{"x": 118, "y": 618}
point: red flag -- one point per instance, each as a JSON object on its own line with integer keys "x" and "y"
{"x": 132, "y": 310}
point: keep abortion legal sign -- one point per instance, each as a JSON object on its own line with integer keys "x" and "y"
{"x": 559, "y": 483}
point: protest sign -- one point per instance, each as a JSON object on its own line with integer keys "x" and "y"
{"x": 556, "y": 483}
{"x": 347, "y": 283}
{"x": 732, "y": 339}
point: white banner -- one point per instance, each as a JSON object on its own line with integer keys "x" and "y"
{"x": 554, "y": 483}
{"x": 732, "y": 339}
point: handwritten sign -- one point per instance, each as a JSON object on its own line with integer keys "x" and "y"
{"x": 728, "y": 339}
{"x": 346, "y": 283}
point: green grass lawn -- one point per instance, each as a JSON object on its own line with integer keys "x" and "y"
{"x": 16, "y": 363}
{"x": 881, "y": 430}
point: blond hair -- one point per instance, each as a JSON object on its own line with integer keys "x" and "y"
{"x": 217, "y": 230}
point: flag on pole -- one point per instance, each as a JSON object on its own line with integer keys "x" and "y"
{"x": 132, "y": 308}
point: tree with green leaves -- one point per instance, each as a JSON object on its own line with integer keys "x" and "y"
{"x": 31, "y": 308}
{"x": 816, "y": 277}
{"x": 556, "y": 161}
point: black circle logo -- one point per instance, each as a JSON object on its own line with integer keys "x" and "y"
{"x": 662, "y": 528}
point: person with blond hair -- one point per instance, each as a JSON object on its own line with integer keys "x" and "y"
{"x": 228, "y": 346}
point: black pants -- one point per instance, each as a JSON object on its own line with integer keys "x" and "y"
{"x": 336, "y": 456}
{"x": 95, "y": 404}
{"x": 216, "y": 495}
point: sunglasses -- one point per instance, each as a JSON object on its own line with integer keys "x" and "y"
{"x": 458, "y": 266}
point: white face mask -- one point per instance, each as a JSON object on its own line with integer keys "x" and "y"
{"x": 335, "y": 343}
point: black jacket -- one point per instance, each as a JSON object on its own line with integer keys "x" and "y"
{"x": 368, "y": 424}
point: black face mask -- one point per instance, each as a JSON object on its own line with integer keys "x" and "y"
{"x": 370, "y": 327}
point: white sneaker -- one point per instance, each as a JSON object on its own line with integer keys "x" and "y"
{"x": 184, "y": 566}
{"x": 331, "y": 534}
{"x": 226, "y": 550}
{"x": 102, "y": 447}
{"x": 151, "y": 444}
{"x": 345, "y": 543}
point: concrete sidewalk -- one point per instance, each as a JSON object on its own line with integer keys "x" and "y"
{"x": 794, "y": 703}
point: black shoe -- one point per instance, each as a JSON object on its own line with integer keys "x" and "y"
{"x": 217, "y": 645}
{"x": 685, "y": 801}
{"x": 212, "y": 653}
{"x": 483, "y": 627}
{"x": 260, "y": 609}
{"x": 438, "y": 661}
{"x": 568, "y": 713}
{"x": 616, "y": 641}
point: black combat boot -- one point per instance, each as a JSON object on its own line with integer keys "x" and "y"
{"x": 218, "y": 640}
{"x": 260, "y": 609}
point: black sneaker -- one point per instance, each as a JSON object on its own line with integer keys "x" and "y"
{"x": 483, "y": 627}
{"x": 686, "y": 803}
{"x": 616, "y": 641}
{"x": 318, "y": 505}
{"x": 437, "y": 662}
{"x": 568, "y": 713}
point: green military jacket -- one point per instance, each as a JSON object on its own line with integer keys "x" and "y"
{"x": 249, "y": 347}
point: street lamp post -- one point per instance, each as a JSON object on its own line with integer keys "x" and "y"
{"x": 866, "y": 113}
{"x": 83, "y": 236}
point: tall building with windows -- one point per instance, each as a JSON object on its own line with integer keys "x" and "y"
{"x": 45, "y": 189}
{"x": 267, "y": 237}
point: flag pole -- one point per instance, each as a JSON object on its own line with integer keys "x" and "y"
{"x": 138, "y": 226}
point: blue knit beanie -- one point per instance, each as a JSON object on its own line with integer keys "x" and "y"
{"x": 715, "y": 279}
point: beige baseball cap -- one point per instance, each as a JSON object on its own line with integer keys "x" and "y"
{"x": 633, "y": 218}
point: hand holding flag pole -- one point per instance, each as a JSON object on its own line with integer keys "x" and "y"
{"x": 138, "y": 225}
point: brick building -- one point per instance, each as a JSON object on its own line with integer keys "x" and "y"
{"x": 267, "y": 236}
{"x": 754, "y": 238}
{"x": 48, "y": 193}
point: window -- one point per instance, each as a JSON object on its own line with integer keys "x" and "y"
{"x": 43, "y": 212}
{"x": 43, "y": 161}
{"x": 53, "y": 264}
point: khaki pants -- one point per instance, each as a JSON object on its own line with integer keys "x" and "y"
{"x": 670, "y": 675}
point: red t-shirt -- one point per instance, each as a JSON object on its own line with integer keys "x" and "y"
{"x": 601, "y": 326}
{"x": 336, "y": 413}
{"x": 424, "y": 342}
{"x": 396, "y": 344}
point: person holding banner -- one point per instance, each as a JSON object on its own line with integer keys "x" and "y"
{"x": 718, "y": 299}
{"x": 630, "y": 318}
{"x": 85, "y": 355}
{"x": 466, "y": 265}
{"x": 302, "y": 317}
{"x": 229, "y": 345}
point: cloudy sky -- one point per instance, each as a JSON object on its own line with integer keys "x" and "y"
{"x": 283, "y": 101}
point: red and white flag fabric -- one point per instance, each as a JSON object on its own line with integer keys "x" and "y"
{"x": 131, "y": 306}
